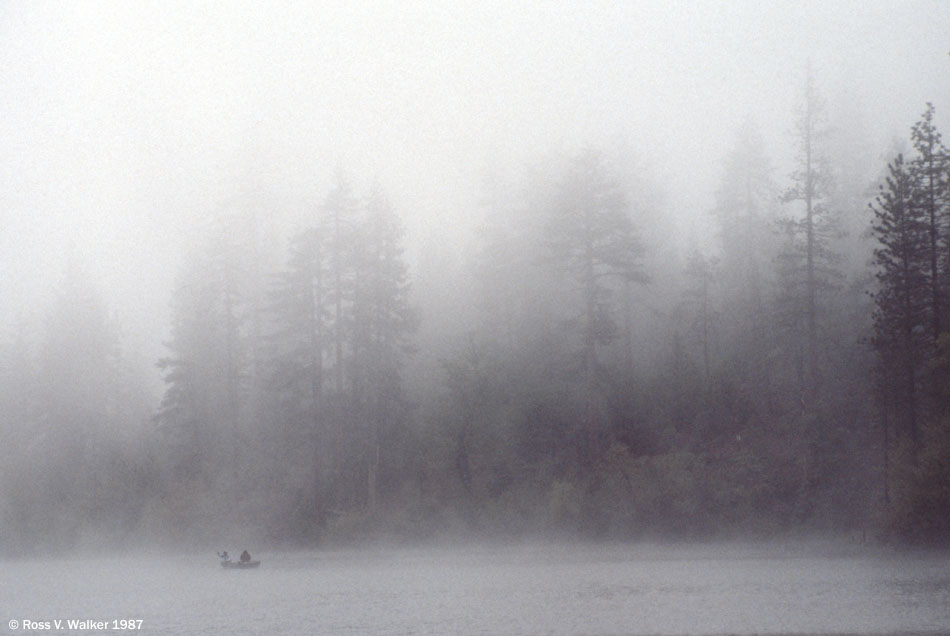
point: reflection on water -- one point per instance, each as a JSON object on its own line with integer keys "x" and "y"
{"x": 525, "y": 590}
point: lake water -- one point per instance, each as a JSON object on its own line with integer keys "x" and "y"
{"x": 489, "y": 590}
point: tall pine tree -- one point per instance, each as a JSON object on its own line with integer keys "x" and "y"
{"x": 809, "y": 258}
{"x": 901, "y": 319}
{"x": 930, "y": 179}
{"x": 592, "y": 240}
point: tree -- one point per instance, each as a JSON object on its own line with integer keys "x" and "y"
{"x": 700, "y": 275}
{"x": 338, "y": 225}
{"x": 384, "y": 321}
{"x": 206, "y": 412}
{"x": 72, "y": 472}
{"x": 591, "y": 238}
{"x": 901, "y": 318}
{"x": 297, "y": 349}
{"x": 929, "y": 174}
{"x": 299, "y": 303}
{"x": 745, "y": 214}
{"x": 809, "y": 253}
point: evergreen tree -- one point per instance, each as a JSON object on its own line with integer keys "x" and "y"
{"x": 903, "y": 292}
{"x": 383, "y": 324}
{"x": 503, "y": 262}
{"x": 592, "y": 240}
{"x": 84, "y": 411}
{"x": 338, "y": 224}
{"x": 700, "y": 277}
{"x": 301, "y": 436}
{"x": 745, "y": 215}
{"x": 299, "y": 324}
{"x": 930, "y": 181}
{"x": 809, "y": 256}
{"x": 205, "y": 413}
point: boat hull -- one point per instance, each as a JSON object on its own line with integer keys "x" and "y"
{"x": 240, "y": 565}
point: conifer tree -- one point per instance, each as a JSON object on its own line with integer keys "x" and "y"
{"x": 745, "y": 214}
{"x": 204, "y": 413}
{"x": 901, "y": 317}
{"x": 930, "y": 180}
{"x": 338, "y": 225}
{"x": 701, "y": 274}
{"x": 298, "y": 340}
{"x": 809, "y": 254}
{"x": 592, "y": 239}
{"x": 384, "y": 322}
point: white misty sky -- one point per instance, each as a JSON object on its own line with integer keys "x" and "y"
{"x": 123, "y": 125}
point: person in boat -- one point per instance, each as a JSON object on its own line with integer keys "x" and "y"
{"x": 225, "y": 556}
{"x": 245, "y": 557}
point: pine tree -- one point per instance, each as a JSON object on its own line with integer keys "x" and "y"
{"x": 591, "y": 238}
{"x": 301, "y": 434}
{"x": 903, "y": 292}
{"x": 700, "y": 276}
{"x": 930, "y": 180}
{"x": 82, "y": 412}
{"x": 809, "y": 254}
{"x": 745, "y": 215}
{"x": 384, "y": 321}
{"x": 205, "y": 411}
{"x": 338, "y": 226}
{"x": 299, "y": 324}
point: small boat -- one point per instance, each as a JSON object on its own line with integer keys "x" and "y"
{"x": 240, "y": 565}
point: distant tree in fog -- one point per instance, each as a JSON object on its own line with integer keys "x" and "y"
{"x": 811, "y": 264}
{"x": 299, "y": 303}
{"x": 384, "y": 322}
{"x": 701, "y": 272}
{"x": 297, "y": 345}
{"x": 337, "y": 223}
{"x": 339, "y": 308}
{"x": 745, "y": 214}
{"x": 206, "y": 413}
{"x": 592, "y": 240}
{"x": 78, "y": 408}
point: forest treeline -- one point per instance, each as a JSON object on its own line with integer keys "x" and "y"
{"x": 572, "y": 372}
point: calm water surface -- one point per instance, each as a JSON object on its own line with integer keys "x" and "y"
{"x": 524, "y": 590}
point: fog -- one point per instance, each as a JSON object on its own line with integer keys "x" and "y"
{"x": 475, "y": 317}
{"x": 124, "y": 127}
{"x": 512, "y": 590}
{"x": 315, "y": 274}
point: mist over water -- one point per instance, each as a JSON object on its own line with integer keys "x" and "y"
{"x": 348, "y": 284}
{"x": 516, "y": 590}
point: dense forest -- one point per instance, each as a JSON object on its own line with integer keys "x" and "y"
{"x": 571, "y": 372}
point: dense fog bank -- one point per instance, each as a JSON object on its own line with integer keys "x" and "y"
{"x": 583, "y": 342}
